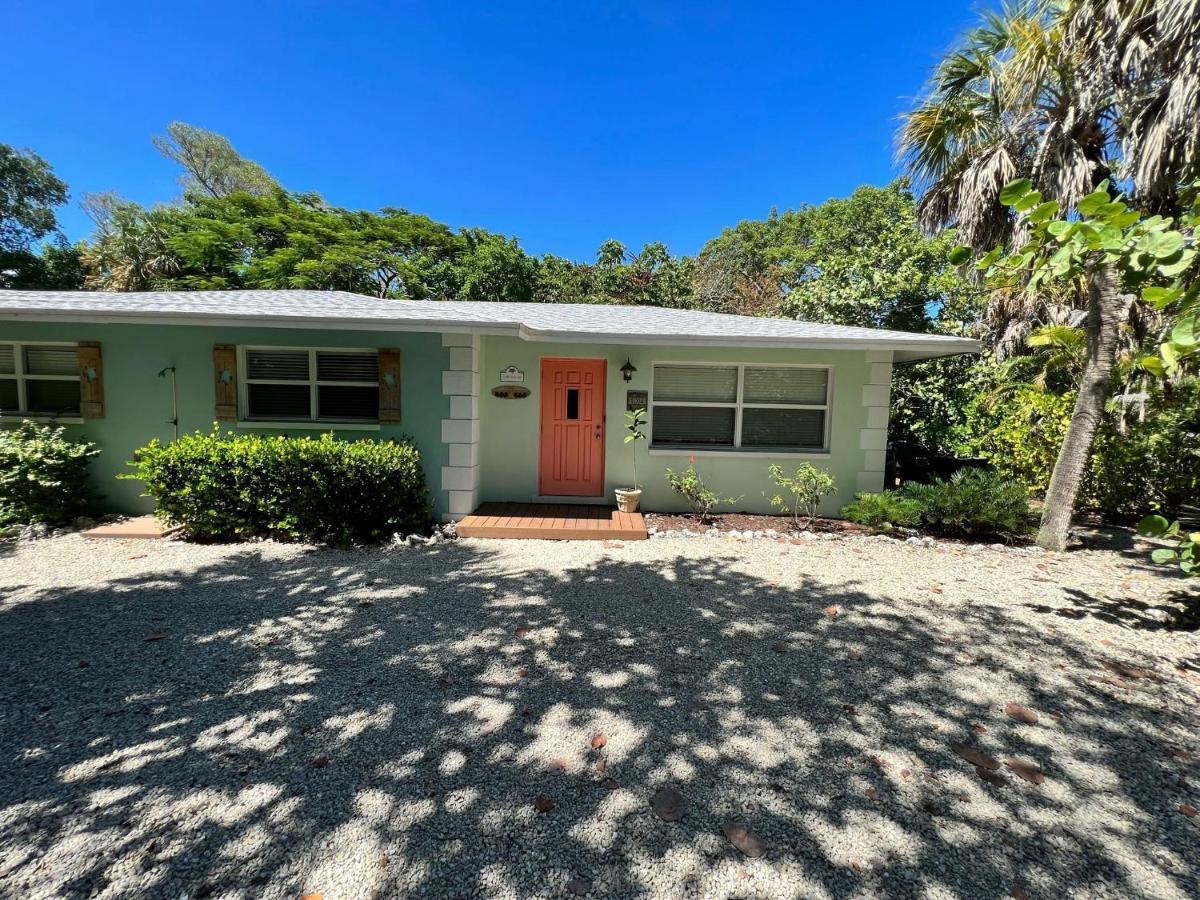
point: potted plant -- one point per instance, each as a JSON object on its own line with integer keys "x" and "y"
{"x": 635, "y": 421}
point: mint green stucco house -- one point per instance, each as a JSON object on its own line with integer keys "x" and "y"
{"x": 507, "y": 401}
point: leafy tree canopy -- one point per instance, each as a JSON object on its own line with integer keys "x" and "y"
{"x": 211, "y": 167}
{"x": 29, "y": 191}
{"x": 861, "y": 260}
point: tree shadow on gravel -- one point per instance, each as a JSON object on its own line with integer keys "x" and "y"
{"x": 379, "y": 723}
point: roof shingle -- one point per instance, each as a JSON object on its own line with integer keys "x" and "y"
{"x": 531, "y": 321}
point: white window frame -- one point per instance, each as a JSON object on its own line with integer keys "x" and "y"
{"x": 313, "y": 382}
{"x": 738, "y": 405}
{"x": 22, "y": 379}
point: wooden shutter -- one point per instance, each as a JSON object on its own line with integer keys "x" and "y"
{"x": 389, "y": 387}
{"x": 225, "y": 382}
{"x": 91, "y": 381}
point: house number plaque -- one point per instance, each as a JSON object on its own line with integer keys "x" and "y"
{"x": 512, "y": 375}
{"x": 636, "y": 400}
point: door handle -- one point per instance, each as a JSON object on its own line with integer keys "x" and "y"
{"x": 598, "y": 432}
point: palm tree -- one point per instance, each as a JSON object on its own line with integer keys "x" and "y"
{"x": 1071, "y": 94}
{"x": 128, "y": 251}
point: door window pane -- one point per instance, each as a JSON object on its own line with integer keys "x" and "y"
{"x": 572, "y": 404}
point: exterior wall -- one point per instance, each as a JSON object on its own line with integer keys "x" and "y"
{"x": 509, "y": 428}
{"x": 138, "y": 403}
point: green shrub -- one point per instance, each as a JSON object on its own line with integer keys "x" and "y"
{"x": 1021, "y": 432}
{"x": 43, "y": 475}
{"x": 882, "y": 512}
{"x": 1186, "y": 550}
{"x": 973, "y": 502}
{"x": 699, "y": 496}
{"x": 245, "y": 486}
{"x": 806, "y": 486}
{"x": 1153, "y": 464}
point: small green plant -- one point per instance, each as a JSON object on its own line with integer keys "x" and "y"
{"x": 43, "y": 475}
{"x": 699, "y": 496}
{"x": 804, "y": 488}
{"x": 882, "y": 512}
{"x": 235, "y": 487}
{"x": 973, "y": 502}
{"x": 635, "y": 423}
{"x": 1186, "y": 552}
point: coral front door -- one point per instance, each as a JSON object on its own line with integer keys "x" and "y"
{"x": 571, "y": 449}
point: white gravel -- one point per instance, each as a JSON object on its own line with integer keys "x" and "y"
{"x": 268, "y": 720}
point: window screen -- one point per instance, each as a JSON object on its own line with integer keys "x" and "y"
{"x": 39, "y": 379}
{"x": 750, "y": 407}
{"x": 312, "y": 385}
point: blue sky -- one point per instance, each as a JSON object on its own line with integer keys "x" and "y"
{"x": 564, "y": 124}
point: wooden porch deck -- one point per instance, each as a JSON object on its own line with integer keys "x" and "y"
{"x": 552, "y": 522}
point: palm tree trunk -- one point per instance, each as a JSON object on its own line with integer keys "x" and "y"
{"x": 1107, "y": 309}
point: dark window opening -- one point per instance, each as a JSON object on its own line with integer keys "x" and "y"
{"x": 572, "y": 404}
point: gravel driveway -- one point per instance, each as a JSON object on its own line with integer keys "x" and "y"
{"x": 270, "y": 720}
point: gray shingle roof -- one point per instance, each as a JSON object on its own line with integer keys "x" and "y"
{"x": 531, "y": 321}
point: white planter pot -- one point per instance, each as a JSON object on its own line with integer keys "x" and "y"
{"x": 628, "y": 499}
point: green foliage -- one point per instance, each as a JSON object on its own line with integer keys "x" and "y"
{"x": 653, "y": 277}
{"x": 932, "y": 401}
{"x": 804, "y": 488}
{"x": 862, "y": 260}
{"x": 691, "y": 487}
{"x": 1020, "y": 430}
{"x": 221, "y": 486}
{"x": 212, "y": 168}
{"x": 1185, "y": 553}
{"x": 57, "y": 267}
{"x": 1151, "y": 461}
{"x": 635, "y": 430}
{"x": 974, "y": 502}
{"x": 29, "y": 191}
{"x": 883, "y": 512}
{"x": 43, "y": 475}
{"x": 1153, "y": 255}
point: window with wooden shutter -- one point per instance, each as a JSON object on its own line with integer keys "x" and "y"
{"x": 740, "y": 407}
{"x": 40, "y": 379}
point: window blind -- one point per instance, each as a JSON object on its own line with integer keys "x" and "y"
{"x": 764, "y": 427}
{"x": 802, "y": 387}
{"x": 52, "y": 361}
{"x": 697, "y": 384}
{"x": 701, "y": 406}
{"x": 347, "y": 366}
{"x": 277, "y": 365}
{"x": 694, "y": 425}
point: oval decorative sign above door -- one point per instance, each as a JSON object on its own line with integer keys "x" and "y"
{"x": 510, "y": 391}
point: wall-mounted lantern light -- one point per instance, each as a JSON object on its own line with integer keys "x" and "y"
{"x": 627, "y": 370}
